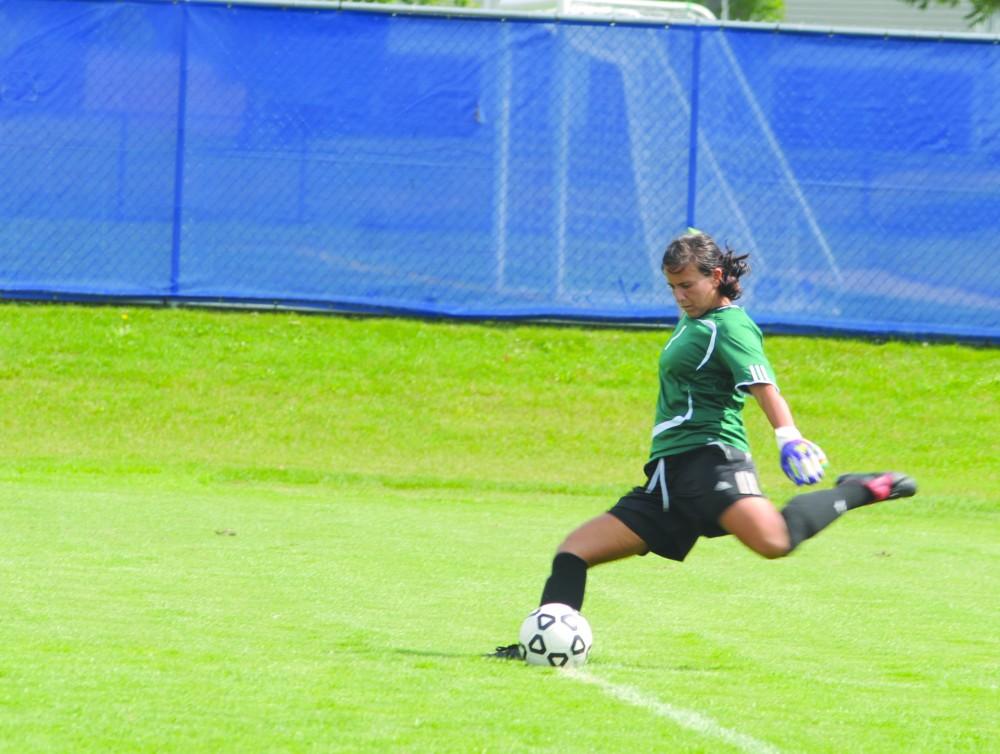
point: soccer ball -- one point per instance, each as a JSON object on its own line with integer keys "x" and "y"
{"x": 555, "y": 635}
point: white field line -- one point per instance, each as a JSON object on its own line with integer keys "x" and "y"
{"x": 689, "y": 719}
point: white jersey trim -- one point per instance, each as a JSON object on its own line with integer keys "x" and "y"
{"x": 711, "y": 342}
{"x": 671, "y": 423}
{"x": 674, "y": 337}
{"x": 744, "y": 385}
{"x": 758, "y": 376}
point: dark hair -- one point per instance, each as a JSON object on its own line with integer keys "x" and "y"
{"x": 701, "y": 250}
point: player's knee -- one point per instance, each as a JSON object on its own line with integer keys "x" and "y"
{"x": 567, "y": 548}
{"x": 774, "y": 546}
{"x": 773, "y": 553}
{"x": 575, "y": 546}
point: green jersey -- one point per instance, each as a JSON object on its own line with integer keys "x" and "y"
{"x": 706, "y": 369}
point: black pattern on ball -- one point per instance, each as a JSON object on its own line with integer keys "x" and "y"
{"x": 558, "y": 659}
{"x": 555, "y": 635}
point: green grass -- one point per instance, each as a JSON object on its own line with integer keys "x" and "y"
{"x": 243, "y": 532}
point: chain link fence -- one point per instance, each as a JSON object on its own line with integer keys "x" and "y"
{"x": 494, "y": 167}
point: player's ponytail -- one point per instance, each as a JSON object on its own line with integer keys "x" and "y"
{"x": 701, "y": 250}
{"x": 733, "y": 268}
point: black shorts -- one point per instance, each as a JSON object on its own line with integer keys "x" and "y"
{"x": 685, "y": 495}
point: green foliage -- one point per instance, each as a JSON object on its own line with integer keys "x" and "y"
{"x": 233, "y": 532}
{"x": 982, "y": 10}
{"x": 749, "y": 10}
{"x": 757, "y": 10}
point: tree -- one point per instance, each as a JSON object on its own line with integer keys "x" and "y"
{"x": 750, "y": 10}
{"x": 982, "y": 10}
{"x": 757, "y": 10}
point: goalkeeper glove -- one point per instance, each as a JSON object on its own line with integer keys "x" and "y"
{"x": 802, "y": 461}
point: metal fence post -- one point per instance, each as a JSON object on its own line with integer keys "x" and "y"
{"x": 182, "y": 75}
{"x": 693, "y": 135}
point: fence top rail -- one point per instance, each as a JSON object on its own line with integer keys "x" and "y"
{"x": 612, "y": 18}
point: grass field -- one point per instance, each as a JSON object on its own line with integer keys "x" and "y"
{"x": 269, "y": 532}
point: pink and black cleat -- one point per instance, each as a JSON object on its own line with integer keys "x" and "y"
{"x": 884, "y": 485}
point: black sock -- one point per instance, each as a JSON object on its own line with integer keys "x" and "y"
{"x": 567, "y": 582}
{"x": 807, "y": 515}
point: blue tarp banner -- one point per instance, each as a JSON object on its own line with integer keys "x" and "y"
{"x": 475, "y": 167}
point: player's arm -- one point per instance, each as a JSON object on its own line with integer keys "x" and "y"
{"x": 801, "y": 460}
{"x": 774, "y": 406}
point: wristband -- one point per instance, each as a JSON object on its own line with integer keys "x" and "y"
{"x": 786, "y": 434}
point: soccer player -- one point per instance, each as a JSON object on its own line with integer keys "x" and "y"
{"x": 700, "y": 479}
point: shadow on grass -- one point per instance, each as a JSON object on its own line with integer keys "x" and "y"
{"x": 435, "y": 653}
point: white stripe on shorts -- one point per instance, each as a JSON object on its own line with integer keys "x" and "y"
{"x": 659, "y": 476}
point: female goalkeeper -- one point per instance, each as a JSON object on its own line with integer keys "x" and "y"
{"x": 700, "y": 479}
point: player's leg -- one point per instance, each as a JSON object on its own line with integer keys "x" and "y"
{"x": 603, "y": 539}
{"x": 730, "y": 498}
{"x": 761, "y": 527}
{"x": 807, "y": 515}
{"x": 599, "y": 540}
{"x": 772, "y": 533}
{"x": 756, "y": 523}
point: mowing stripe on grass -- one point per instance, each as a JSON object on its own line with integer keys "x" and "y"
{"x": 685, "y": 718}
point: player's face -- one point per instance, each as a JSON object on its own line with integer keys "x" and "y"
{"x": 694, "y": 292}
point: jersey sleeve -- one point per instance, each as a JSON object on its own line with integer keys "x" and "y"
{"x": 741, "y": 348}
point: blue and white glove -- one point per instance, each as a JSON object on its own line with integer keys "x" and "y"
{"x": 802, "y": 461}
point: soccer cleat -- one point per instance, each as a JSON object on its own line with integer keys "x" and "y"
{"x": 508, "y": 652}
{"x": 884, "y": 485}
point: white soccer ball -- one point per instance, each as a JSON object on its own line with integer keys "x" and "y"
{"x": 555, "y": 635}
